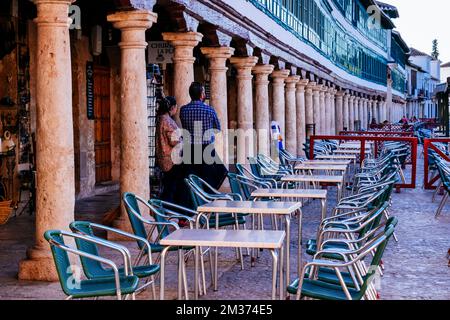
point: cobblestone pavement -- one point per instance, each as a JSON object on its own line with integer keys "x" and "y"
{"x": 415, "y": 267}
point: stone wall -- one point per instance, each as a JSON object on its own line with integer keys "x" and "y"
{"x": 84, "y": 139}
{"x": 114, "y": 60}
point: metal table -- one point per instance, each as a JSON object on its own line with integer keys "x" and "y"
{"x": 314, "y": 179}
{"x": 328, "y": 162}
{"x": 255, "y": 239}
{"x": 295, "y": 194}
{"x": 283, "y": 209}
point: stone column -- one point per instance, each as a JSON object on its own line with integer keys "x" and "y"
{"x": 309, "y": 105}
{"x": 361, "y": 112}
{"x": 218, "y": 57}
{"x": 356, "y": 108}
{"x": 291, "y": 114}
{"x": 316, "y": 107}
{"x": 346, "y": 111}
{"x": 323, "y": 107}
{"x": 380, "y": 111}
{"x": 55, "y": 197}
{"x": 262, "y": 73}
{"x": 301, "y": 116}
{"x": 326, "y": 120}
{"x": 183, "y": 61}
{"x": 365, "y": 112}
{"x": 245, "y": 143}
{"x": 333, "y": 112}
{"x": 134, "y": 166}
{"x": 371, "y": 114}
{"x": 351, "y": 109}
{"x": 278, "y": 101}
{"x": 339, "y": 123}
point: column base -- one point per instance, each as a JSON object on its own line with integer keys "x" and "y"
{"x": 39, "y": 266}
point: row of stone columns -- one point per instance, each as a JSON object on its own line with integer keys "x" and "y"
{"x": 296, "y": 104}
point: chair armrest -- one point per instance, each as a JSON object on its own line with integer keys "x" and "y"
{"x": 96, "y": 258}
{"x": 127, "y": 235}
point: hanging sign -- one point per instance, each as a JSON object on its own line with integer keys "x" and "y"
{"x": 90, "y": 90}
{"x": 160, "y": 52}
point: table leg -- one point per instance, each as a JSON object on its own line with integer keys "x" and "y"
{"x": 196, "y": 279}
{"x": 163, "y": 264}
{"x": 281, "y": 282}
{"x": 339, "y": 187}
{"x": 180, "y": 274}
{"x": 274, "y": 273}
{"x": 324, "y": 208}
{"x": 216, "y": 257}
{"x": 300, "y": 242}
{"x": 288, "y": 244}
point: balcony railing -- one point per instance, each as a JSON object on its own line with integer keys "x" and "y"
{"x": 323, "y": 33}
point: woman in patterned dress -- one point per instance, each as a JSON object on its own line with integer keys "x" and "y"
{"x": 168, "y": 140}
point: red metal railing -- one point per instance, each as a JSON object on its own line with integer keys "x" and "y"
{"x": 427, "y": 145}
{"x": 378, "y": 133}
{"x": 379, "y": 144}
{"x": 392, "y": 127}
{"x": 363, "y": 139}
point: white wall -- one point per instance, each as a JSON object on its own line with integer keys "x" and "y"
{"x": 445, "y": 73}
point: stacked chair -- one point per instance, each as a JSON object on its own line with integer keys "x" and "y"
{"x": 348, "y": 249}
{"x": 443, "y": 169}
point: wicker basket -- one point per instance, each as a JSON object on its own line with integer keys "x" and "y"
{"x": 5, "y": 211}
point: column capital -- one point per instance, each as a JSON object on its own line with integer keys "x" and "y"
{"x": 244, "y": 66}
{"x": 183, "y": 39}
{"x": 311, "y": 85}
{"x": 217, "y": 52}
{"x": 244, "y": 62}
{"x": 317, "y": 88}
{"x": 51, "y": 12}
{"x": 133, "y": 19}
{"x": 217, "y": 57}
{"x": 263, "y": 69}
{"x": 340, "y": 93}
{"x": 302, "y": 83}
{"x": 279, "y": 76}
{"x": 133, "y": 24}
{"x": 291, "y": 81}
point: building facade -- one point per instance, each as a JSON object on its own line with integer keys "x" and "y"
{"x": 423, "y": 77}
{"x": 86, "y": 85}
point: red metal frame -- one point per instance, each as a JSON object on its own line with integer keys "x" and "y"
{"x": 378, "y": 133}
{"x": 428, "y": 144}
{"x": 412, "y": 140}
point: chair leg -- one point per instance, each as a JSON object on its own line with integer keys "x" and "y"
{"x": 202, "y": 265}
{"x": 387, "y": 215}
{"x": 441, "y": 205}
{"x": 436, "y": 192}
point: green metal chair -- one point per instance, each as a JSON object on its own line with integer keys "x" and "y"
{"x": 158, "y": 229}
{"x": 314, "y": 288}
{"x": 94, "y": 269}
{"x": 122, "y": 282}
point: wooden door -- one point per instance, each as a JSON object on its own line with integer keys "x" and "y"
{"x": 102, "y": 124}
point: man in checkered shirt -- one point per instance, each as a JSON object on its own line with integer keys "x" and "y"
{"x": 201, "y": 121}
{"x": 198, "y": 118}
